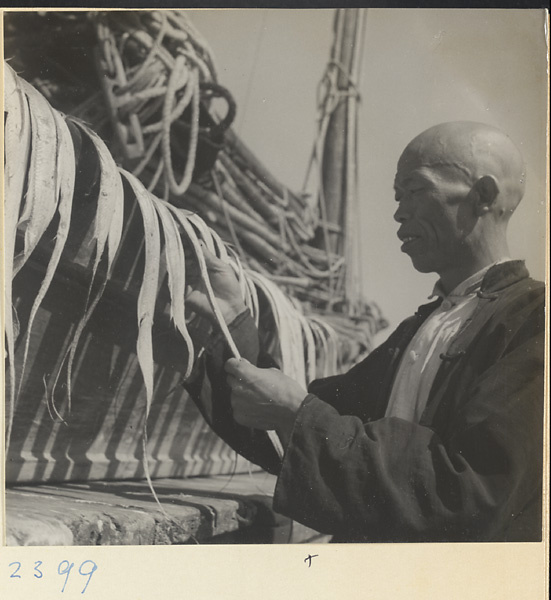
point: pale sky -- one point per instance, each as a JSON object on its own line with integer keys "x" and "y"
{"x": 420, "y": 67}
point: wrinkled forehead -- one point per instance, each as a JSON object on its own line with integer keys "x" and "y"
{"x": 423, "y": 164}
{"x": 434, "y": 149}
{"x": 470, "y": 149}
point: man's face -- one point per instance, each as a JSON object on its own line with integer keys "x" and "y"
{"x": 434, "y": 214}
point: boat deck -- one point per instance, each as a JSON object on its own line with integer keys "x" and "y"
{"x": 205, "y": 510}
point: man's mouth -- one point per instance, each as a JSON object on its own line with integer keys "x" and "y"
{"x": 408, "y": 241}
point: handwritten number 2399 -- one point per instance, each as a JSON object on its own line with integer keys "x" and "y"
{"x": 86, "y": 569}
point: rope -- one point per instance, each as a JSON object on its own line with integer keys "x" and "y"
{"x": 349, "y": 79}
{"x": 146, "y": 98}
{"x": 191, "y": 93}
{"x": 153, "y": 51}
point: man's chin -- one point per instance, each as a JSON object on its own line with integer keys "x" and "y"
{"x": 422, "y": 264}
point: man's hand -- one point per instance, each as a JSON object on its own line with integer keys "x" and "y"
{"x": 224, "y": 283}
{"x": 263, "y": 398}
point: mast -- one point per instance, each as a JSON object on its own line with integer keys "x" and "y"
{"x": 337, "y": 153}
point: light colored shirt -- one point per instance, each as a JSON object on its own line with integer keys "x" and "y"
{"x": 421, "y": 359}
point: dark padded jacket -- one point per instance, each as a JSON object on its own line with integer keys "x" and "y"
{"x": 470, "y": 470}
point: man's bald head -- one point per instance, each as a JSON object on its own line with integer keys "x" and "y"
{"x": 456, "y": 186}
{"x": 474, "y": 150}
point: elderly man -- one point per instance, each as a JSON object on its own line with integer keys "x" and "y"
{"x": 437, "y": 434}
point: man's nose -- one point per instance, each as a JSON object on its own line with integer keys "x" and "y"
{"x": 402, "y": 214}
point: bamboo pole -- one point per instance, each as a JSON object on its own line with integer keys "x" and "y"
{"x": 257, "y": 242}
{"x": 238, "y": 148}
{"x": 212, "y": 202}
{"x": 334, "y": 154}
{"x": 251, "y": 192}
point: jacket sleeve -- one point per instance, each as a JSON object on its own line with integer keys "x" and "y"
{"x": 394, "y": 480}
{"x": 210, "y": 392}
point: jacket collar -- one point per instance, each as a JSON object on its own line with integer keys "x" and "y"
{"x": 503, "y": 275}
{"x": 498, "y": 277}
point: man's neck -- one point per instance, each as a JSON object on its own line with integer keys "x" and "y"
{"x": 484, "y": 248}
{"x": 450, "y": 280}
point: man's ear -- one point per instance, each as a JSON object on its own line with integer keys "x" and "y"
{"x": 484, "y": 193}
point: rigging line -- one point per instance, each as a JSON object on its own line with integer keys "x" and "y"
{"x": 227, "y": 216}
{"x": 252, "y": 72}
{"x": 362, "y": 43}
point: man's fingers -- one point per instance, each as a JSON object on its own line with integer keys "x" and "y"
{"x": 238, "y": 367}
{"x": 212, "y": 261}
{"x": 235, "y": 383}
{"x": 232, "y": 366}
{"x": 197, "y": 301}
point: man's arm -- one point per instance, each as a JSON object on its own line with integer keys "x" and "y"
{"x": 393, "y": 480}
